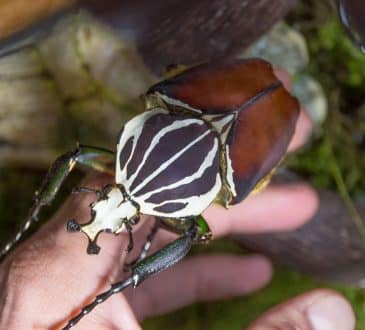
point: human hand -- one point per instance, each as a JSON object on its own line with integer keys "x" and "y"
{"x": 49, "y": 277}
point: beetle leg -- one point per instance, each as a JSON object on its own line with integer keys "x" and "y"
{"x": 96, "y": 158}
{"x": 146, "y": 247}
{"x": 179, "y": 226}
{"x": 79, "y": 190}
{"x": 128, "y": 226}
{"x": 153, "y": 264}
{"x": 204, "y": 233}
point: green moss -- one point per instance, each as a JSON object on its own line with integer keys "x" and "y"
{"x": 332, "y": 46}
{"x": 342, "y": 144}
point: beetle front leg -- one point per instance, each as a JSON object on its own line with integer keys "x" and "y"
{"x": 155, "y": 263}
{"x": 96, "y": 158}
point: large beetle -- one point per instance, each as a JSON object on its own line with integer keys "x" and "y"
{"x": 212, "y": 133}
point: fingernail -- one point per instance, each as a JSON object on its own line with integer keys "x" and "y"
{"x": 331, "y": 312}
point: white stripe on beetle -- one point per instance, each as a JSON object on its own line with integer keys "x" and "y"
{"x": 208, "y": 161}
{"x": 174, "y": 126}
{"x": 168, "y": 162}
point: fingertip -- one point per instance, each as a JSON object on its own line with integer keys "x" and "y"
{"x": 303, "y": 130}
{"x": 304, "y": 124}
{"x": 287, "y": 207}
{"x": 284, "y": 77}
{"x": 318, "y": 309}
{"x": 278, "y": 207}
{"x": 331, "y": 311}
{"x": 303, "y": 202}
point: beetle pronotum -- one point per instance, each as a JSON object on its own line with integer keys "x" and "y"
{"x": 209, "y": 134}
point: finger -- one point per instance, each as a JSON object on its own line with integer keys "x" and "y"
{"x": 200, "y": 278}
{"x": 284, "y": 77}
{"x": 53, "y": 266}
{"x": 316, "y": 310}
{"x": 304, "y": 124}
{"x": 303, "y": 130}
{"x": 278, "y": 207}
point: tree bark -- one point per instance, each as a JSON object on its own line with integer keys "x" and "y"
{"x": 167, "y": 32}
{"x": 191, "y": 31}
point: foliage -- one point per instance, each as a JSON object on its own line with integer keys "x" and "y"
{"x": 340, "y": 67}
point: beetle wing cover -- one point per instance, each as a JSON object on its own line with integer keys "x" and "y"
{"x": 265, "y": 121}
{"x": 260, "y": 138}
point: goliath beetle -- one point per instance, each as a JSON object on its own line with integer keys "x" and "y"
{"x": 212, "y": 133}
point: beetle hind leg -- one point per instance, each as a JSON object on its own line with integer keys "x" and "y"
{"x": 153, "y": 264}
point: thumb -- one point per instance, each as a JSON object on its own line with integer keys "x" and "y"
{"x": 321, "y": 309}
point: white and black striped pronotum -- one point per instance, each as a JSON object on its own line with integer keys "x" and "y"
{"x": 211, "y": 133}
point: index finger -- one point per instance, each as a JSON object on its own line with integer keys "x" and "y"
{"x": 279, "y": 207}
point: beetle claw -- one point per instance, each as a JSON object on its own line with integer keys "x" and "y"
{"x": 73, "y": 226}
{"x": 93, "y": 248}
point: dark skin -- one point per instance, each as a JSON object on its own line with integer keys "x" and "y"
{"x": 49, "y": 277}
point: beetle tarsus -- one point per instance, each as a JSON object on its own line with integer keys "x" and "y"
{"x": 93, "y": 248}
{"x": 73, "y": 226}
